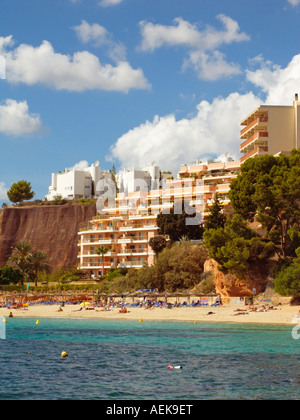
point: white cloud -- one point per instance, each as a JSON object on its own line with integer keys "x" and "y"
{"x": 100, "y": 37}
{"x": 187, "y": 34}
{"x": 2, "y": 67}
{"x": 103, "y": 3}
{"x": 202, "y": 45}
{"x": 215, "y": 127}
{"x": 6, "y": 41}
{"x": 80, "y": 72}
{"x": 211, "y": 66}
{"x": 106, "y": 3}
{"x": 95, "y": 32}
{"x": 15, "y": 119}
{"x": 294, "y": 2}
{"x": 279, "y": 84}
{"x": 171, "y": 142}
{"x": 80, "y": 166}
{"x": 155, "y": 36}
{"x": 3, "y": 191}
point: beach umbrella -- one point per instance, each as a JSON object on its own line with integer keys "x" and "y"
{"x": 113, "y": 295}
{"x": 152, "y": 294}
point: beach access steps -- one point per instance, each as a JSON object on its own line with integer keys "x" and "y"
{"x": 269, "y": 292}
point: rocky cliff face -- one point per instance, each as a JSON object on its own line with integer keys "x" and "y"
{"x": 53, "y": 229}
{"x": 228, "y": 285}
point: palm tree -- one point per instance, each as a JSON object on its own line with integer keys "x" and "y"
{"x": 39, "y": 263}
{"x": 102, "y": 250}
{"x": 20, "y": 257}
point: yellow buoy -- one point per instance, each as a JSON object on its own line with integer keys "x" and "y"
{"x": 37, "y": 322}
{"x": 64, "y": 354}
{"x": 195, "y": 322}
{"x": 141, "y": 320}
{"x": 4, "y": 320}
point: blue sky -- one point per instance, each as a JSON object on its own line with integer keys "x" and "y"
{"x": 130, "y": 82}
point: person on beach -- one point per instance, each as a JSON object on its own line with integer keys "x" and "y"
{"x": 241, "y": 313}
{"x": 123, "y": 310}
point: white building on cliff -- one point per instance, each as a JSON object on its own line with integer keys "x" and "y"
{"x": 82, "y": 182}
{"x": 76, "y": 183}
{"x": 132, "y": 180}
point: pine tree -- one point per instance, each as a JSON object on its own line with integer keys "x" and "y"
{"x": 20, "y": 191}
{"x": 216, "y": 218}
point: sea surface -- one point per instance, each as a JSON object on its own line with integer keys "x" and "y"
{"x": 128, "y": 360}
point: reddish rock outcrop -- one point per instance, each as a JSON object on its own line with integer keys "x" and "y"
{"x": 228, "y": 285}
{"x": 53, "y": 229}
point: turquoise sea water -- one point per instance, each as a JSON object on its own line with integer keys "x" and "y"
{"x": 127, "y": 360}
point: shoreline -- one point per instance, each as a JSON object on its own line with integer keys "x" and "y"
{"x": 281, "y": 315}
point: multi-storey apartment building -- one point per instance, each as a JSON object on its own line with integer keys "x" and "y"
{"x": 125, "y": 230}
{"x": 129, "y": 222}
{"x": 271, "y": 130}
{"x": 213, "y": 178}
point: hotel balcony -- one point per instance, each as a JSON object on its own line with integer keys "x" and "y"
{"x": 129, "y": 264}
{"x": 90, "y": 254}
{"x": 142, "y": 217}
{"x": 124, "y": 241}
{"x": 138, "y": 228}
{"x": 160, "y": 206}
{"x": 177, "y": 192}
{"x": 257, "y": 151}
{"x": 258, "y": 124}
{"x": 139, "y": 240}
{"x": 96, "y": 264}
{"x": 97, "y": 241}
{"x": 133, "y": 239}
{"x": 223, "y": 188}
{"x": 260, "y": 138}
{"x": 94, "y": 229}
{"x": 131, "y": 252}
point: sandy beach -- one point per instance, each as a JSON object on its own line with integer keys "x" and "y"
{"x": 282, "y": 314}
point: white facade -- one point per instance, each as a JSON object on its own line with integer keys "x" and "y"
{"x": 132, "y": 180}
{"x": 76, "y": 183}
